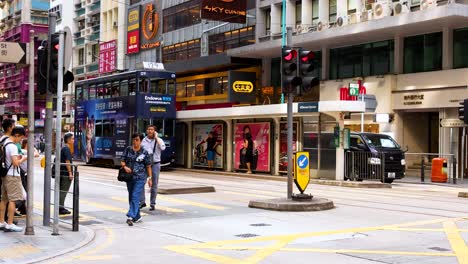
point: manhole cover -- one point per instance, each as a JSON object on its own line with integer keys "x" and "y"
{"x": 260, "y": 224}
{"x": 246, "y": 235}
{"x": 439, "y": 249}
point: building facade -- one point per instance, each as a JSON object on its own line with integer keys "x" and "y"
{"x": 18, "y": 19}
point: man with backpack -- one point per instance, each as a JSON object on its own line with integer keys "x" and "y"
{"x": 7, "y": 125}
{"x": 12, "y": 188}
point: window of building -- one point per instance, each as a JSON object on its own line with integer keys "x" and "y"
{"x": 423, "y": 53}
{"x": 202, "y": 87}
{"x": 298, "y": 12}
{"x": 183, "y": 15}
{"x": 362, "y": 60}
{"x": 352, "y": 6}
{"x": 315, "y": 12}
{"x": 332, "y": 11}
{"x": 460, "y": 48}
{"x": 94, "y": 53}
{"x": 268, "y": 21}
{"x": 81, "y": 56}
{"x": 219, "y": 43}
{"x": 182, "y": 51}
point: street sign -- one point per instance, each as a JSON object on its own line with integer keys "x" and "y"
{"x": 452, "y": 122}
{"x": 354, "y": 89}
{"x": 370, "y": 100}
{"x": 302, "y": 172}
{"x": 307, "y": 107}
{"x": 13, "y": 52}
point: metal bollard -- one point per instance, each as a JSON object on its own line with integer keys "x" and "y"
{"x": 422, "y": 169}
{"x": 454, "y": 168}
{"x": 76, "y": 203}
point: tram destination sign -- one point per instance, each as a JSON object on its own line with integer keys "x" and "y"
{"x": 12, "y": 52}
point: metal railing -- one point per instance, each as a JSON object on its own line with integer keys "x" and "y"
{"x": 74, "y": 191}
{"x": 361, "y": 165}
{"x": 420, "y": 165}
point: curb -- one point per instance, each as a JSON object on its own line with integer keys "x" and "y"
{"x": 352, "y": 184}
{"x": 286, "y": 205}
{"x": 186, "y": 189}
{"x": 90, "y": 236}
{"x": 463, "y": 194}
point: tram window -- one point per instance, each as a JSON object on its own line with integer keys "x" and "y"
{"x": 85, "y": 93}
{"x": 79, "y": 93}
{"x": 115, "y": 89}
{"x": 168, "y": 128}
{"x": 92, "y": 92}
{"x": 132, "y": 87}
{"x": 171, "y": 87}
{"x": 143, "y": 85}
{"x": 105, "y": 128}
{"x": 156, "y": 86}
{"x": 100, "y": 91}
{"x": 124, "y": 88}
{"x": 107, "y": 90}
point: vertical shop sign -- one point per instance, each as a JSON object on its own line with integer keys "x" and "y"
{"x": 283, "y": 163}
{"x": 107, "y": 56}
{"x": 259, "y": 156}
{"x": 133, "y": 30}
{"x": 149, "y": 27}
{"x": 200, "y": 144}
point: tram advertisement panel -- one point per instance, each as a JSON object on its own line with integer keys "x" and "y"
{"x": 283, "y": 164}
{"x": 260, "y": 136}
{"x": 104, "y": 126}
{"x": 156, "y": 106}
{"x": 201, "y": 135}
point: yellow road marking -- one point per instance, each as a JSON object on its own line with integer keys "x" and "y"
{"x": 18, "y": 251}
{"x": 456, "y": 242}
{"x": 187, "y": 202}
{"x": 83, "y": 217}
{"x": 107, "y": 207}
{"x": 163, "y": 208}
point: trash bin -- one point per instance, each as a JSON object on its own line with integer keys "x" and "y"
{"x": 439, "y": 170}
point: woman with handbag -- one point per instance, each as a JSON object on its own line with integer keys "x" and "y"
{"x": 135, "y": 161}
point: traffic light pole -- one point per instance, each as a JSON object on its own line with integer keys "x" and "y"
{"x": 58, "y": 128}
{"x": 48, "y": 128}
{"x": 30, "y": 176}
{"x": 290, "y": 125}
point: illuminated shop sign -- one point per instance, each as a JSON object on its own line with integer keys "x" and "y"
{"x": 233, "y": 11}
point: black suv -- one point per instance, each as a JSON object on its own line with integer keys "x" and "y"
{"x": 375, "y": 151}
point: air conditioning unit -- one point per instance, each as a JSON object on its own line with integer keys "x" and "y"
{"x": 381, "y": 9}
{"x": 341, "y": 21}
{"x": 299, "y": 29}
{"x": 426, "y": 4}
{"x": 88, "y": 20}
{"x": 400, "y": 8}
{"x": 353, "y": 18}
{"x": 366, "y": 15}
{"x": 322, "y": 25}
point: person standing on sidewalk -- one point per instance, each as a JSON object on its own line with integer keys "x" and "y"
{"x": 66, "y": 171}
{"x": 7, "y": 125}
{"x": 12, "y": 189}
{"x": 136, "y": 160}
{"x": 153, "y": 145}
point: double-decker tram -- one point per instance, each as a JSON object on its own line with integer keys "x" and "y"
{"x": 108, "y": 110}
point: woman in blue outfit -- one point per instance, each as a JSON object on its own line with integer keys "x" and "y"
{"x": 136, "y": 160}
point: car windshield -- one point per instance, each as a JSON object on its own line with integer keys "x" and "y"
{"x": 381, "y": 141}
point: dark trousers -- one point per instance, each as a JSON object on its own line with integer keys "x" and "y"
{"x": 65, "y": 184}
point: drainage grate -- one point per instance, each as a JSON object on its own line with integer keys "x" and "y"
{"x": 439, "y": 249}
{"x": 260, "y": 224}
{"x": 246, "y": 235}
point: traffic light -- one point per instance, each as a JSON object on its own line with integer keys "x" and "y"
{"x": 289, "y": 70}
{"x": 42, "y": 69}
{"x": 68, "y": 76}
{"x": 308, "y": 65}
{"x": 462, "y": 115}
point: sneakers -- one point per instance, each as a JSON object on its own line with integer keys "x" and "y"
{"x": 12, "y": 228}
{"x": 151, "y": 208}
{"x": 142, "y": 205}
{"x": 2, "y": 226}
{"x": 129, "y": 221}
{"x": 64, "y": 211}
{"x": 138, "y": 220}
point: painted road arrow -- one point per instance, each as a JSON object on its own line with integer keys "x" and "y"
{"x": 12, "y": 52}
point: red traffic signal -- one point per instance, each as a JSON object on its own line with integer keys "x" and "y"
{"x": 289, "y": 54}
{"x": 307, "y": 56}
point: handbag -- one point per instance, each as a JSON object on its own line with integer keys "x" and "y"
{"x": 123, "y": 176}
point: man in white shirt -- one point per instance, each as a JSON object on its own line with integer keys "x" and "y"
{"x": 12, "y": 188}
{"x": 7, "y": 124}
{"x": 154, "y": 145}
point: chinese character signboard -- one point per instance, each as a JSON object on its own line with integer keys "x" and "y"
{"x": 149, "y": 27}
{"x": 233, "y": 11}
{"x": 107, "y": 56}
{"x": 242, "y": 87}
{"x": 133, "y": 30}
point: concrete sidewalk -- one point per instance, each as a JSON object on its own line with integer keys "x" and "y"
{"x": 18, "y": 248}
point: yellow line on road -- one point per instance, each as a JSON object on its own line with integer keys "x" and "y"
{"x": 18, "y": 251}
{"x": 187, "y": 202}
{"x": 456, "y": 242}
{"x": 107, "y": 207}
{"x": 159, "y": 207}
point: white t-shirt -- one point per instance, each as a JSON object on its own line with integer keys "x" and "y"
{"x": 10, "y": 151}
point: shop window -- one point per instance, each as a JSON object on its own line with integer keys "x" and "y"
{"x": 219, "y": 43}
{"x": 423, "y": 53}
{"x": 182, "y": 51}
{"x": 181, "y": 89}
{"x": 460, "y": 48}
{"x": 182, "y": 15}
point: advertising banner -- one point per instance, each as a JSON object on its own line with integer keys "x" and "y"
{"x": 156, "y": 106}
{"x": 107, "y": 56}
{"x": 259, "y": 154}
{"x": 283, "y": 163}
{"x": 242, "y": 87}
{"x": 233, "y": 11}
{"x": 149, "y": 27}
{"x": 133, "y": 30}
{"x": 201, "y": 137}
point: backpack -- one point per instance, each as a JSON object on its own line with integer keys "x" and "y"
{"x": 4, "y": 168}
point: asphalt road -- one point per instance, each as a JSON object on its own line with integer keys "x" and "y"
{"x": 409, "y": 223}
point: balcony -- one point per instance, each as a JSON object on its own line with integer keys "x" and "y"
{"x": 96, "y": 28}
{"x": 79, "y": 70}
{"x": 77, "y": 34}
{"x": 80, "y": 12}
{"x": 79, "y": 41}
{"x": 92, "y": 68}
{"x": 94, "y": 37}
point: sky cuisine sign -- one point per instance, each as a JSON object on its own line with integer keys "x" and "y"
{"x": 233, "y": 11}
